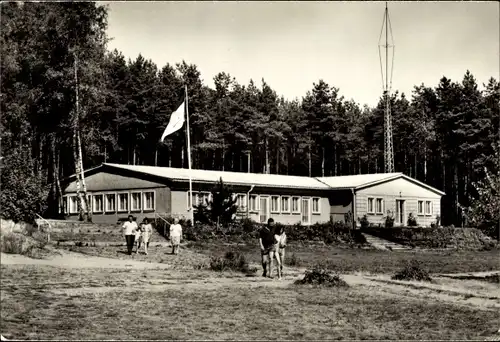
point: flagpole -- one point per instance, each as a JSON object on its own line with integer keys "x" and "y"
{"x": 190, "y": 209}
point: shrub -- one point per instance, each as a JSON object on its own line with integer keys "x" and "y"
{"x": 16, "y": 243}
{"x": 389, "y": 220}
{"x": 23, "y": 195}
{"x": 412, "y": 220}
{"x": 320, "y": 275}
{"x": 202, "y": 213}
{"x": 223, "y": 205}
{"x": 292, "y": 261}
{"x": 364, "y": 222}
{"x": 248, "y": 225}
{"x": 232, "y": 261}
{"x": 412, "y": 271}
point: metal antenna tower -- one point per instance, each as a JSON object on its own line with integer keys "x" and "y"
{"x": 387, "y": 85}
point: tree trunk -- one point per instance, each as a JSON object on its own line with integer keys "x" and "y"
{"x": 156, "y": 156}
{"x": 323, "y": 161}
{"x": 248, "y": 161}
{"x": 335, "y": 159}
{"x": 82, "y": 177}
{"x": 267, "y": 157}
{"x": 455, "y": 188}
{"x": 278, "y": 161}
{"x": 425, "y": 163}
{"x": 182, "y": 157}
{"x": 223, "y": 154}
{"x": 310, "y": 163}
{"x": 57, "y": 180}
{"x": 82, "y": 200}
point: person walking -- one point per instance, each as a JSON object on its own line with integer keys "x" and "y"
{"x": 129, "y": 229}
{"x": 146, "y": 232}
{"x": 175, "y": 236}
{"x": 267, "y": 247}
{"x": 280, "y": 239}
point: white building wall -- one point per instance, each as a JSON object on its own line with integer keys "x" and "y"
{"x": 398, "y": 189}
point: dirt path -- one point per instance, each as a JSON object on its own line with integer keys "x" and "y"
{"x": 486, "y": 298}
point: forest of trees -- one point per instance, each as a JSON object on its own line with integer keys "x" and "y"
{"x": 63, "y": 93}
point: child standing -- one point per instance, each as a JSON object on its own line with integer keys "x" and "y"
{"x": 146, "y": 232}
{"x": 175, "y": 236}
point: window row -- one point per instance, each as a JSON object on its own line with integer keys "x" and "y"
{"x": 279, "y": 204}
{"x": 377, "y": 206}
{"x": 425, "y": 207}
{"x": 114, "y": 202}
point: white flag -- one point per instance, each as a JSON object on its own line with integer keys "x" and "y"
{"x": 176, "y": 121}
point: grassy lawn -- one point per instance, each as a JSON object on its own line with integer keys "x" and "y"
{"x": 54, "y": 303}
{"x": 344, "y": 260}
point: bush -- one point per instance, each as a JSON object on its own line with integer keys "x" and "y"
{"x": 320, "y": 275}
{"x": 389, "y": 221}
{"x": 292, "y": 261}
{"x": 364, "y": 222}
{"x": 232, "y": 261}
{"x": 412, "y": 220}
{"x": 16, "y": 243}
{"x": 462, "y": 238}
{"x": 412, "y": 271}
{"x": 23, "y": 195}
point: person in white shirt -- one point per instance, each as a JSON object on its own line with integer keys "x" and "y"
{"x": 175, "y": 236}
{"x": 146, "y": 232}
{"x": 129, "y": 229}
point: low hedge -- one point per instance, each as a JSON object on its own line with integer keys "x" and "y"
{"x": 462, "y": 238}
{"x": 245, "y": 230}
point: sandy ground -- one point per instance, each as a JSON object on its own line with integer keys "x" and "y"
{"x": 464, "y": 293}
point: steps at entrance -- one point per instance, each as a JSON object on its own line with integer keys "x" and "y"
{"x": 382, "y": 244}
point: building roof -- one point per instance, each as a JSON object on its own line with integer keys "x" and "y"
{"x": 235, "y": 178}
{"x": 354, "y": 182}
{"x": 357, "y": 182}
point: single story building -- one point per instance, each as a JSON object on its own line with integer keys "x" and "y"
{"x": 116, "y": 190}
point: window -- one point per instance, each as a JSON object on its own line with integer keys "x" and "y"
{"x": 149, "y": 200}
{"x": 241, "y": 201}
{"x": 428, "y": 208}
{"x": 98, "y": 204}
{"x": 315, "y": 205}
{"x": 65, "y": 205}
{"x": 370, "y": 206}
{"x": 123, "y": 202}
{"x": 379, "y": 206}
{"x": 201, "y": 198}
{"x": 135, "y": 201}
{"x": 420, "y": 207}
{"x": 73, "y": 205}
{"x": 295, "y": 205}
{"x": 254, "y": 203}
{"x": 275, "y": 204}
{"x": 285, "y": 204}
{"x": 110, "y": 203}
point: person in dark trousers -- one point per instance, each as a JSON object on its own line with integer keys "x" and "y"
{"x": 129, "y": 229}
{"x": 267, "y": 247}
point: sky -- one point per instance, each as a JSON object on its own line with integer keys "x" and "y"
{"x": 295, "y": 44}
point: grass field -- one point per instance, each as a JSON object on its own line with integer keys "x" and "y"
{"x": 344, "y": 260}
{"x": 79, "y": 296}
